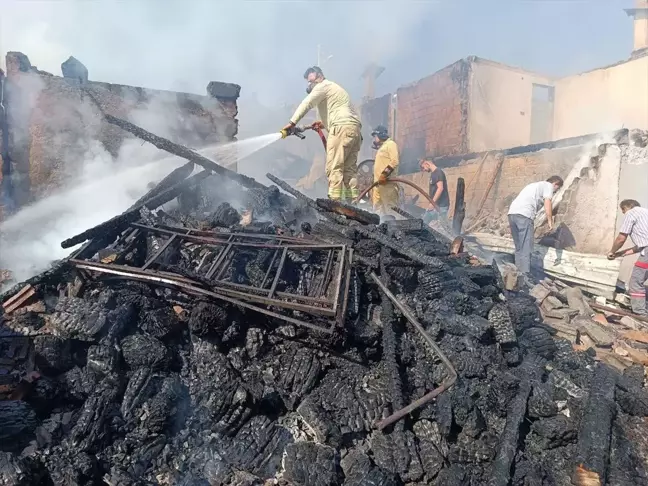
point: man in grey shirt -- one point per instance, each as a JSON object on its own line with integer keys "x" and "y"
{"x": 522, "y": 213}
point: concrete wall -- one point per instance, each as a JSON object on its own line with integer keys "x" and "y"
{"x": 432, "y": 115}
{"x": 501, "y": 106}
{"x": 602, "y": 100}
{"x": 54, "y": 122}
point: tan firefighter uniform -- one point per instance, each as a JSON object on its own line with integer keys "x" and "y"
{"x": 386, "y": 195}
{"x": 342, "y": 122}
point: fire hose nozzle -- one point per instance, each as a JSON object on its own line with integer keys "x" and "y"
{"x": 296, "y": 131}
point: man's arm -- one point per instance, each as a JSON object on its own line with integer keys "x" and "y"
{"x": 549, "y": 212}
{"x": 312, "y": 100}
{"x": 322, "y": 110}
{"x": 618, "y": 243}
{"x": 392, "y": 152}
{"x": 438, "y": 192}
{"x": 626, "y": 229}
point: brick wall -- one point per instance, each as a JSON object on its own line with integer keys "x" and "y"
{"x": 55, "y": 122}
{"x": 516, "y": 171}
{"x": 432, "y": 115}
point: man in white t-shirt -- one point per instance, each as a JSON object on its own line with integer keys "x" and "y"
{"x": 522, "y": 213}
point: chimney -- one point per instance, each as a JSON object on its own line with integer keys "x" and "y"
{"x": 640, "y": 15}
{"x": 370, "y": 74}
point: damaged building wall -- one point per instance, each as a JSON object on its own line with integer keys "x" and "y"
{"x": 54, "y": 122}
{"x": 432, "y": 115}
{"x": 594, "y": 193}
{"x": 594, "y": 166}
{"x": 501, "y": 107}
{"x": 604, "y": 99}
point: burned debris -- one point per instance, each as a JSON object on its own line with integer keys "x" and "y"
{"x": 305, "y": 345}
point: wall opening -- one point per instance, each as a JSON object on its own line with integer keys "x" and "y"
{"x": 542, "y": 113}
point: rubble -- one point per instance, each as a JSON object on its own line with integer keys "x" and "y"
{"x": 302, "y": 347}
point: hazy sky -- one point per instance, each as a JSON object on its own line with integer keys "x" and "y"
{"x": 265, "y": 45}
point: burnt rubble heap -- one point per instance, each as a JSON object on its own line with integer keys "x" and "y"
{"x": 206, "y": 346}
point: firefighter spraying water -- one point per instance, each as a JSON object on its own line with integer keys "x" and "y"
{"x": 340, "y": 119}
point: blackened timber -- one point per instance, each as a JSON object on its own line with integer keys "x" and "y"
{"x": 531, "y": 370}
{"x": 174, "y": 177}
{"x": 184, "y": 152}
{"x": 391, "y": 243}
{"x": 303, "y": 197}
{"x": 351, "y": 212}
{"x": 595, "y": 432}
{"x": 117, "y": 224}
{"x": 459, "y": 207}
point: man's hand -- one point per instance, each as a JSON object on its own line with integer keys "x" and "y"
{"x": 285, "y": 131}
{"x": 550, "y": 223}
{"x": 318, "y": 125}
{"x": 611, "y": 256}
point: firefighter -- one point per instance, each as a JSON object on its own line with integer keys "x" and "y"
{"x": 385, "y": 195}
{"x": 340, "y": 119}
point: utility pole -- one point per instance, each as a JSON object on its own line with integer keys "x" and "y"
{"x": 321, "y": 61}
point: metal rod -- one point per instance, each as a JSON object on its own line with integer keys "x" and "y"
{"x": 452, "y": 373}
{"x": 275, "y": 282}
{"x": 345, "y": 296}
{"x": 211, "y": 270}
{"x": 225, "y": 232}
{"x": 325, "y": 277}
{"x": 267, "y": 274}
{"x": 619, "y": 312}
{"x": 338, "y": 280}
{"x": 287, "y": 295}
{"x": 226, "y": 262}
{"x": 158, "y": 253}
{"x": 208, "y": 240}
{"x": 144, "y": 276}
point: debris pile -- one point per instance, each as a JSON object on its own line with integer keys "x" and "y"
{"x": 612, "y": 335}
{"x": 298, "y": 347}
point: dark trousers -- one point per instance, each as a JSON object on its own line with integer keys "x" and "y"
{"x": 636, "y": 287}
{"x": 522, "y": 232}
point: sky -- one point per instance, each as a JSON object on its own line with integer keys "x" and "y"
{"x": 265, "y": 45}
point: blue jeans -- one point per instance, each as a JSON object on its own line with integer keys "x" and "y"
{"x": 522, "y": 232}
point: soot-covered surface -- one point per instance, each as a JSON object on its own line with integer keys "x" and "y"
{"x": 139, "y": 384}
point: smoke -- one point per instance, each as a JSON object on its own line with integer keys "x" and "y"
{"x": 264, "y": 46}
{"x": 31, "y": 239}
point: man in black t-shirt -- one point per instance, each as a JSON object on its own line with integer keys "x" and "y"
{"x": 438, "y": 191}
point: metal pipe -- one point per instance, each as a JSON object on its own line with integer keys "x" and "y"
{"x": 452, "y": 373}
{"x": 618, "y": 312}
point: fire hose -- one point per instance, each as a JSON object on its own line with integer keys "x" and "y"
{"x": 398, "y": 180}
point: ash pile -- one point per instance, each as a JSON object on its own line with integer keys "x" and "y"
{"x": 297, "y": 343}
